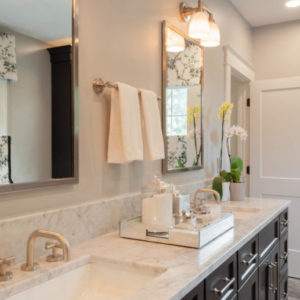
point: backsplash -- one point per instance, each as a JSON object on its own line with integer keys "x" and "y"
{"x": 77, "y": 223}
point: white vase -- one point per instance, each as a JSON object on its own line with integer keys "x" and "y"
{"x": 226, "y": 191}
{"x": 237, "y": 191}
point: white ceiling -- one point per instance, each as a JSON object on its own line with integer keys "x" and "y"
{"x": 45, "y": 20}
{"x": 265, "y": 12}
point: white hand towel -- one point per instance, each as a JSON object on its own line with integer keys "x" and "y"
{"x": 125, "y": 142}
{"x": 151, "y": 124}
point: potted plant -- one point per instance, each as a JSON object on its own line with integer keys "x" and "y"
{"x": 228, "y": 184}
{"x": 219, "y": 183}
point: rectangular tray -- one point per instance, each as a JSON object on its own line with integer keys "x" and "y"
{"x": 135, "y": 229}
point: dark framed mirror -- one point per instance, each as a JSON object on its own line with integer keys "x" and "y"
{"x": 38, "y": 94}
{"x": 183, "y": 68}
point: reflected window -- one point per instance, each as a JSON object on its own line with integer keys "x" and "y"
{"x": 177, "y": 99}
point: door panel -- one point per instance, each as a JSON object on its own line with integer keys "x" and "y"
{"x": 275, "y": 148}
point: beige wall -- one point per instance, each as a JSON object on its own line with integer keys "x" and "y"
{"x": 276, "y": 50}
{"x": 29, "y": 111}
{"x": 121, "y": 40}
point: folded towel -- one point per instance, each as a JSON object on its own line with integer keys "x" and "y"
{"x": 125, "y": 142}
{"x": 151, "y": 124}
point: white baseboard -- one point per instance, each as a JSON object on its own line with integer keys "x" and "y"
{"x": 294, "y": 263}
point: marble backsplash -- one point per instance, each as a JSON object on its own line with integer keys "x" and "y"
{"x": 77, "y": 223}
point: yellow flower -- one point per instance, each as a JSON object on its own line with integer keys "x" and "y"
{"x": 193, "y": 113}
{"x": 225, "y": 110}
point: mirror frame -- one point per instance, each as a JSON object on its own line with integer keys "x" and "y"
{"x": 165, "y": 27}
{"x": 6, "y": 188}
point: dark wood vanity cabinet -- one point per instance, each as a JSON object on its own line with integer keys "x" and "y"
{"x": 222, "y": 283}
{"x": 249, "y": 291}
{"x": 196, "y": 294}
{"x": 268, "y": 276}
{"x": 258, "y": 271}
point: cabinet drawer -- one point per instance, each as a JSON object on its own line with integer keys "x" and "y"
{"x": 267, "y": 238}
{"x": 247, "y": 260}
{"x": 283, "y": 287}
{"x": 249, "y": 290}
{"x": 283, "y": 251}
{"x": 196, "y": 294}
{"x": 284, "y": 222}
{"x": 268, "y": 276}
{"x": 222, "y": 283}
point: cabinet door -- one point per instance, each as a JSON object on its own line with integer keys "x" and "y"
{"x": 222, "y": 283}
{"x": 196, "y": 294}
{"x": 247, "y": 260}
{"x": 268, "y": 276}
{"x": 249, "y": 290}
{"x": 284, "y": 222}
{"x": 267, "y": 238}
{"x": 283, "y": 252}
{"x": 283, "y": 287}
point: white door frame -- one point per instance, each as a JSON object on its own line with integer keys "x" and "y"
{"x": 237, "y": 66}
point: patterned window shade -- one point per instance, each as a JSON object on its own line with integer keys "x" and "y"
{"x": 8, "y": 60}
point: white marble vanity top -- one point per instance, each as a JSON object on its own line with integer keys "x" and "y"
{"x": 184, "y": 268}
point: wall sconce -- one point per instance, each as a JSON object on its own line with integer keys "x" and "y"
{"x": 202, "y": 25}
{"x": 175, "y": 42}
{"x": 292, "y": 3}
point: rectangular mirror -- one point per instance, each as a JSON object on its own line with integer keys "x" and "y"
{"x": 182, "y": 101}
{"x": 38, "y": 93}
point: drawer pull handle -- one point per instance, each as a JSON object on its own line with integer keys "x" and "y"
{"x": 225, "y": 288}
{"x": 251, "y": 260}
{"x": 273, "y": 286}
{"x": 284, "y": 223}
{"x": 284, "y": 256}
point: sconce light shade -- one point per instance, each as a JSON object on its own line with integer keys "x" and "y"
{"x": 199, "y": 26}
{"x": 175, "y": 42}
{"x": 292, "y": 3}
{"x": 214, "y": 37}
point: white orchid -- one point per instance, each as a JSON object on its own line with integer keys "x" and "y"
{"x": 238, "y": 131}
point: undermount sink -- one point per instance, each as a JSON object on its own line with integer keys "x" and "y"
{"x": 241, "y": 213}
{"x": 99, "y": 279}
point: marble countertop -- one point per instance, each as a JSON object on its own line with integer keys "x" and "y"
{"x": 185, "y": 267}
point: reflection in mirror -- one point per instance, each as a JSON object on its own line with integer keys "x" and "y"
{"x": 182, "y": 90}
{"x": 36, "y": 91}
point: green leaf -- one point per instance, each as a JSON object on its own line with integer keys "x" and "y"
{"x": 226, "y": 176}
{"x": 237, "y": 163}
{"x": 217, "y": 186}
{"x": 179, "y": 162}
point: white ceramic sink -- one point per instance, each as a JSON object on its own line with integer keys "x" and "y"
{"x": 241, "y": 213}
{"x": 99, "y": 279}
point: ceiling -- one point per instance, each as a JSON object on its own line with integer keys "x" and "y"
{"x": 265, "y": 12}
{"x": 45, "y": 20}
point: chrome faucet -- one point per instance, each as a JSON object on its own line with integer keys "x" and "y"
{"x": 30, "y": 265}
{"x": 199, "y": 207}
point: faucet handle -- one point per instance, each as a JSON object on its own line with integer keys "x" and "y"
{"x": 4, "y": 263}
{"x": 54, "y": 257}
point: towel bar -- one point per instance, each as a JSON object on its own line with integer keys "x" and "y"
{"x": 99, "y": 85}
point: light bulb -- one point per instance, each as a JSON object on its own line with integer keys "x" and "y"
{"x": 199, "y": 26}
{"x": 292, "y": 3}
{"x": 175, "y": 42}
{"x": 214, "y": 37}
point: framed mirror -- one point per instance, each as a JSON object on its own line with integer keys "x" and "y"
{"x": 38, "y": 93}
{"x": 183, "y": 68}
